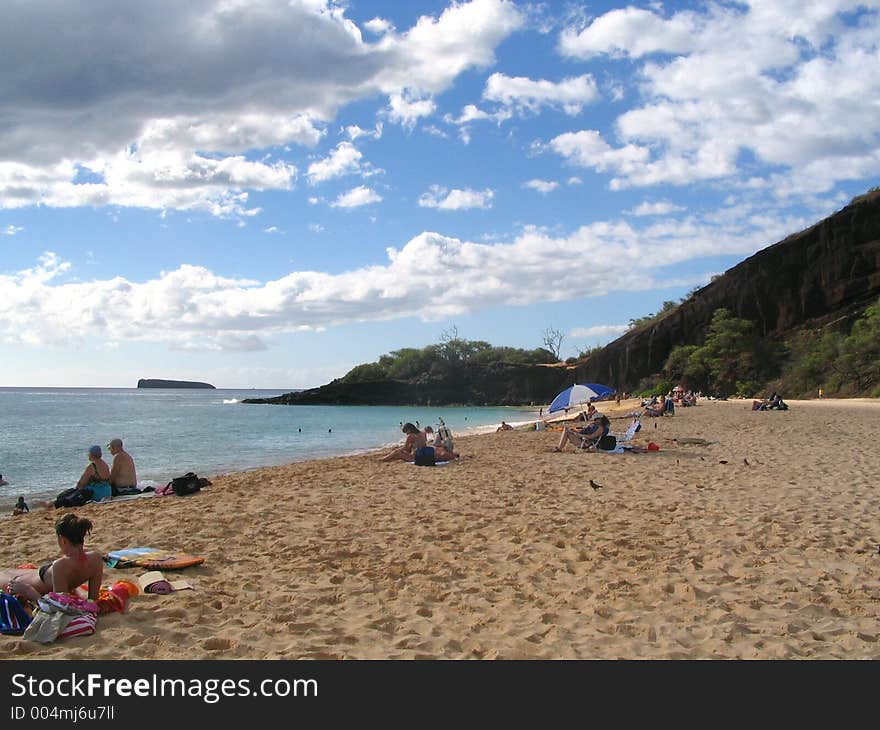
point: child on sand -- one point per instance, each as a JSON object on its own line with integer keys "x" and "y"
{"x": 20, "y": 507}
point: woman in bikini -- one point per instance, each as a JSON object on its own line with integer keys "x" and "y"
{"x": 96, "y": 476}
{"x": 64, "y": 575}
{"x": 414, "y": 440}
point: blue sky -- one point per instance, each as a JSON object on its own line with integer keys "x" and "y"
{"x": 265, "y": 193}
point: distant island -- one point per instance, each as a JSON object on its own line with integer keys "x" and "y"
{"x": 153, "y": 383}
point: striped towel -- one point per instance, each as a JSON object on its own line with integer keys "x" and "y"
{"x": 82, "y": 625}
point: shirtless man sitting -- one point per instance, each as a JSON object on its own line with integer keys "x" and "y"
{"x": 122, "y": 473}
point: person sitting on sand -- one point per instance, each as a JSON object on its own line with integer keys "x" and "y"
{"x": 93, "y": 484}
{"x": 20, "y": 507}
{"x": 776, "y": 403}
{"x": 122, "y": 473}
{"x": 414, "y": 439}
{"x": 656, "y": 407}
{"x": 64, "y": 575}
{"x": 96, "y": 476}
{"x": 504, "y": 427}
{"x": 587, "y": 436}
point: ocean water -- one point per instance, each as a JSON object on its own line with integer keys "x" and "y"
{"x": 45, "y": 433}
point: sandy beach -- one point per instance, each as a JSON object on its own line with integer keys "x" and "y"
{"x": 760, "y": 544}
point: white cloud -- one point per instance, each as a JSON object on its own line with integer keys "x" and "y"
{"x": 661, "y": 207}
{"x": 378, "y": 26}
{"x": 316, "y": 227}
{"x": 406, "y": 111}
{"x": 522, "y": 93}
{"x": 436, "y": 50}
{"x": 444, "y": 199}
{"x": 356, "y": 197}
{"x": 604, "y": 332}
{"x": 634, "y": 32}
{"x": 11, "y": 230}
{"x": 272, "y": 229}
{"x": 345, "y": 159}
{"x": 588, "y": 149}
{"x": 45, "y": 305}
{"x": 470, "y": 113}
{"x": 542, "y": 186}
{"x": 783, "y": 82}
{"x": 355, "y": 132}
{"x": 230, "y": 87}
{"x": 574, "y": 180}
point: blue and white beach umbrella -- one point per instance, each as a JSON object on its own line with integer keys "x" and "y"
{"x": 578, "y": 394}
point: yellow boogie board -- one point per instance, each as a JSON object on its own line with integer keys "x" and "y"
{"x": 153, "y": 559}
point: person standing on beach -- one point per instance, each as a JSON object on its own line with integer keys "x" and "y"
{"x": 122, "y": 473}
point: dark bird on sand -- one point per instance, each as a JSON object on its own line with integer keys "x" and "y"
{"x": 595, "y": 486}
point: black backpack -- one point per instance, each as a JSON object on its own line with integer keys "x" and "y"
{"x": 424, "y": 456}
{"x": 73, "y": 497}
{"x": 607, "y": 443}
{"x": 189, "y": 483}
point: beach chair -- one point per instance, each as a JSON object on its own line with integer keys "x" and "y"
{"x": 633, "y": 429}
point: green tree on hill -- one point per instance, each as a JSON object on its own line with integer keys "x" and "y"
{"x": 733, "y": 358}
{"x": 860, "y": 356}
{"x": 839, "y": 362}
{"x": 448, "y": 359}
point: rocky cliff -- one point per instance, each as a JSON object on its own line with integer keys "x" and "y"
{"x": 823, "y": 276}
{"x": 153, "y": 383}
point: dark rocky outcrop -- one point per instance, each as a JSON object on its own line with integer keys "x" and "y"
{"x": 493, "y": 384}
{"x": 153, "y": 383}
{"x": 824, "y": 276}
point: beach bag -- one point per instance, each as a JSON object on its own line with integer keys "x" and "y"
{"x": 13, "y": 618}
{"x": 189, "y": 483}
{"x": 607, "y": 443}
{"x": 424, "y": 456}
{"x": 73, "y": 497}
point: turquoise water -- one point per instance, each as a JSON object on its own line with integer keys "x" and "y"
{"x": 45, "y": 433}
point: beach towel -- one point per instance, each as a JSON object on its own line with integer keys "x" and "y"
{"x": 153, "y": 559}
{"x": 13, "y": 618}
{"x": 82, "y": 625}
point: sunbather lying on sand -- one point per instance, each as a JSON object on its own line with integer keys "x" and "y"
{"x": 73, "y": 568}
